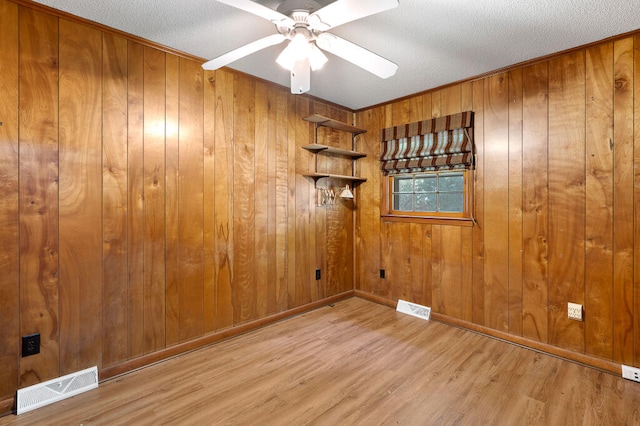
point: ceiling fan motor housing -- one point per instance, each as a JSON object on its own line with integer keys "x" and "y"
{"x": 287, "y": 7}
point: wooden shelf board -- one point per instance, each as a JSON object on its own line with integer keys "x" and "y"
{"x": 321, "y": 120}
{"x": 317, "y": 176}
{"x": 316, "y": 147}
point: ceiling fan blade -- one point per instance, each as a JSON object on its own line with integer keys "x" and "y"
{"x": 261, "y": 11}
{"x": 301, "y": 77}
{"x": 343, "y": 11}
{"x": 357, "y": 55}
{"x": 243, "y": 51}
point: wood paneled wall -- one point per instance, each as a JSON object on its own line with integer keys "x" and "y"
{"x": 145, "y": 203}
{"x": 557, "y": 191}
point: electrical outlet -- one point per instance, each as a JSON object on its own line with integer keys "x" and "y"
{"x": 631, "y": 373}
{"x": 31, "y": 344}
{"x": 574, "y": 311}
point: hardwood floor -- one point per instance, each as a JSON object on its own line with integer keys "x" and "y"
{"x": 354, "y": 363}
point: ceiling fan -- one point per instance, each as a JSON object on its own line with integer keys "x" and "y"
{"x": 305, "y": 23}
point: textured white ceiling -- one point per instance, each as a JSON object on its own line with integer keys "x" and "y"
{"x": 434, "y": 42}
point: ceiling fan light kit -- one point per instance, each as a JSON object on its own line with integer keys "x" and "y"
{"x": 303, "y": 23}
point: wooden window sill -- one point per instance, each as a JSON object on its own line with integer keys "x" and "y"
{"x": 454, "y": 221}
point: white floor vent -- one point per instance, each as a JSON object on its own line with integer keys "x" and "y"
{"x": 413, "y": 309}
{"x": 54, "y": 390}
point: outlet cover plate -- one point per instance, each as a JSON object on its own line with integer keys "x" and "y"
{"x": 31, "y": 344}
{"x": 574, "y": 311}
{"x": 631, "y": 373}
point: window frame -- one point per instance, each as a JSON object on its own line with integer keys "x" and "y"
{"x": 464, "y": 218}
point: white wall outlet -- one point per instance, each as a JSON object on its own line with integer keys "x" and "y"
{"x": 631, "y": 373}
{"x": 574, "y": 311}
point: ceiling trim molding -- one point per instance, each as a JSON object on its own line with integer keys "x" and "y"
{"x": 508, "y": 68}
{"x": 109, "y": 30}
{"x": 68, "y": 16}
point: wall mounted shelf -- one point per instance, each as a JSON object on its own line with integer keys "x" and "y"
{"x": 316, "y": 176}
{"x": 316, "y": 148}
{"x": 321, "y": 120}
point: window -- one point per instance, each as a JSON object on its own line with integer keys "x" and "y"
{"x": 428, "y": 168}
{"x": 430, "y": 195}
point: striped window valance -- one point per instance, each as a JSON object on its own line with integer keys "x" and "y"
{"x": 443, "y": 143}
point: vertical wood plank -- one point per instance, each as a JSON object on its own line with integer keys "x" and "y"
{"x": 154, "y": 196}
{"x": 38, "y": 192}
{"x": 190, "y": 195}
{"x": 135, "y": 208}
{"x": 368, "y": 211}
{"x": 365, "y": 253}
{"x": 114, "y": 199}
{"x": 478, "y": 204}
{"x": 209, "y": 195}
{"x": 420, "y": 254}
{"x": 325, "y": 223}
{"x": 399, "y": 253}
{"x": 515, "y": 202}
{"x": 304, "y": 186}
{"x": 80, "y": 197}
{"x": 466, "y": 248}
{"x": 333, "y": 227}
{"x": 437, "y": 292}
{"x": 496, "y": 198}
{"x": 172, "y": 200}
{"x": 224, "y": 176}
{"x": 450, "y": 262}
{"x": 9, "y": 166}
{"x": 437, "y": 286}
{"x": 261, "y": 206}
{"x": 270, "y": 164}
{"x": 534, "y": 199}
{"x": 566, "y": 197}
{"x": 417, "y": 259}
{"x": 345, "y": 257}
{"x": 450, "y": 100}
{"x": 623, "y": 247}
{"x": 599, "y": 201}
{"x": 245, "y": 308}
{"x": 427, "y": 265}
{"x": 636, "y": 200}
{"x": 282, "y": 199}
{"x": 292, "y": 200}
{"x": 378, "y": 119}
{"x": 386, "y": 260}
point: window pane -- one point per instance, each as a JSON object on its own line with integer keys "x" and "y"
{"x": 451, "y": 202}
{"x": 403, "y": 202}
{"x": 426, "y": 202}
{"x": 403, "y": 184}
{"x": 429, "y": 193}
{"x": 451, "y": 182}
{"x": 426, "y": 183}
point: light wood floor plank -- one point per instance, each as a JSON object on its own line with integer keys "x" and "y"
{"x": 354, "y": 363}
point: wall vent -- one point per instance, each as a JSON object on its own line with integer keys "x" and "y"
{"x": 413, "y": 309}
{"x": 54, "y": 390}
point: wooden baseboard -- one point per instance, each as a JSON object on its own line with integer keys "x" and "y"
{"x": 146, "y": 360}
{"x": 7, "y": 406}
{"x": 584, "y": 359}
